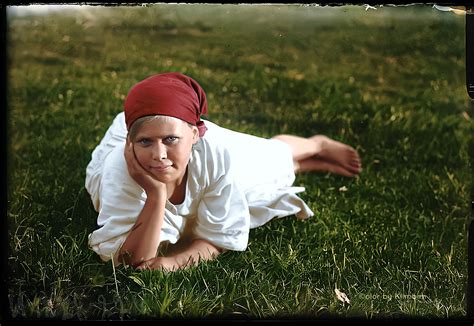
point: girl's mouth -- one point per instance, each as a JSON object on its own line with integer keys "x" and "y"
{"x": 161, "y": 168}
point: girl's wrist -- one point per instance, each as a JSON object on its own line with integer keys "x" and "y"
{"x": 157, "y": 192}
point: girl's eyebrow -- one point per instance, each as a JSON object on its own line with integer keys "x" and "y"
{"x": 164, "y": 136}
{"x": 170, "y": 136}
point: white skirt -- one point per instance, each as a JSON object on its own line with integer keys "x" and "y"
{"x": 264, "y": 169}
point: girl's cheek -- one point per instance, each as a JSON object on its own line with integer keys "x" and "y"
{"x": 140, "y": 154}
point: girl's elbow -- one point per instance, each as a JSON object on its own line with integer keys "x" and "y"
{"x": 127, "y": 258}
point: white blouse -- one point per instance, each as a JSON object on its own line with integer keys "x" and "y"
{"x": 235, "y": 182}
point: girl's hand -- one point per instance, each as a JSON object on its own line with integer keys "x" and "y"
{"x": 191, "y": 254}
{"x": 167, "y": 264}
{"x": 145, "y": 179}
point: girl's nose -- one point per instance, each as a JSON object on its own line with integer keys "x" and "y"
{"x": 159, "y": 152}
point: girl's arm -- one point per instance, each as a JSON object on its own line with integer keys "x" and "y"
{"x": 191, "y": 254}
{"x": 143, "y": 240}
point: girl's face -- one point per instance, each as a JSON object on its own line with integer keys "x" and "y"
{"x": 163, "y": 148}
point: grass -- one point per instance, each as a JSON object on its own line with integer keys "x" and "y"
{"x": 390, "y": 82}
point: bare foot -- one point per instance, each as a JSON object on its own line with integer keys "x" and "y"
{"x": 322, "y": 165}
{"x": 337, "y": 153}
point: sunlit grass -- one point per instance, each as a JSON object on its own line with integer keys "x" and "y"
{"x": 381, "y": 80}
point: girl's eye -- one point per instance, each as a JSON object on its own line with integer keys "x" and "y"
{"x": 144, "y": 141}
{"x": 170, "y": 139}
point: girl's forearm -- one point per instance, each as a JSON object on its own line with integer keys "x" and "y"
{"x": 144, "y": 238}
{"x": 197, "y": 250}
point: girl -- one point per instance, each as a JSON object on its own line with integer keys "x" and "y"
{"x": 171, "y": 189}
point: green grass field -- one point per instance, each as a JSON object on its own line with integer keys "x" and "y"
{"x": 390, "y": 82}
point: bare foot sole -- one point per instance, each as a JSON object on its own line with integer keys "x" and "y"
{"x": 334, "y": 152}
{"x": 315, "y": 164}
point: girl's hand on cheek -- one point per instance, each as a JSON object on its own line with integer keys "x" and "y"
{"x": 146, "y": 180}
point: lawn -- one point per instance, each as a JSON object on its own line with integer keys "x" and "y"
{"x": 389, "y": 81}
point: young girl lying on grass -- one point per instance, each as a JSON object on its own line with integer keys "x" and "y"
{"x": 171, "y": 189}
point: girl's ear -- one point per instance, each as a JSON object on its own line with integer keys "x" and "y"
{"x": 195, "y": 135}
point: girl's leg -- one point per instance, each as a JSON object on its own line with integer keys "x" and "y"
{"x": 320, "y": 153}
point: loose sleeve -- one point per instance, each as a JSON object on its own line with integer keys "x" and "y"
{"x": 115, "y": 135}
{"x": 121, "y": 201}
{"x": 223, "y": 214}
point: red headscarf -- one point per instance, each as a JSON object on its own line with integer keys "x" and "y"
{"x": 172, "y": 94}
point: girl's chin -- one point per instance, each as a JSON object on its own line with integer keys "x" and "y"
{"x": 163, "y": 178}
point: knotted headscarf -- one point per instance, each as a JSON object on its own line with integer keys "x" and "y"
{"x": 172, "y": 94}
